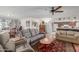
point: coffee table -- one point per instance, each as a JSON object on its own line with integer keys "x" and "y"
{"x": 45, "y": 44}
{"x": 47, "y": 40}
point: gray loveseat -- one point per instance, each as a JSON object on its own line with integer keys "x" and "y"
{"x": 32, "y": 35}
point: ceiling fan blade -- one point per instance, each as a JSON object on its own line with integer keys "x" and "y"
{"x": 58, "y": 11}
{"x": 58, "y": 8}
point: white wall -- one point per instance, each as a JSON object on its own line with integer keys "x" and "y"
{"x": 23, "y": 22}
{"x": 49, "y": 28}
{"x": 47, "y": 23}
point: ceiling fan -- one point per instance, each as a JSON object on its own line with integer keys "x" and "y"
{"x": 56, "y": 10}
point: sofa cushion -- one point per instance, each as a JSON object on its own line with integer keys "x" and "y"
{"x": 4, "y": 38}
{"x": 33, "y": 32}
{"x": 70, "y": 33}
{"x": 34, "y": 38}
{"x": 24, "y": 48}
{"x": 19, "y": 42}
{"x": 1, "y": 48}
{"x": 70, "y": 37}
{"x": 36, "y": 31}
{"x": 62, "y": 36}
{"x": 58, "y": 32}
{"x": 27, "y": 33}
{"x": 62, "y": 32}
{"x": 41, "y": 35}
{"x": 20, "y": 48}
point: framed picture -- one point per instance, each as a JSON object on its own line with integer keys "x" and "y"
{"x": 34, "y": 24}
{"x": 27, "y": 23}
{"x": 59, "y": 18}
{"x": 74, "y": 17}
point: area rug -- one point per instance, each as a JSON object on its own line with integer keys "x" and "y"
{"x": 55, "y": 46}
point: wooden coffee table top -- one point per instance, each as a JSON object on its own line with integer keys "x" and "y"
{"x": 46, "y": 41}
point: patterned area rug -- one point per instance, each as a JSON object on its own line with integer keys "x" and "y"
{"x": 55, "y": 46}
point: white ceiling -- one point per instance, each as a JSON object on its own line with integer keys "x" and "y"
{"x": 25, "y": 11}
{"x": 36, "y": 11}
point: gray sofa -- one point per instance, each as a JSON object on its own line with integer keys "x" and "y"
{"x": 32, "y": 35}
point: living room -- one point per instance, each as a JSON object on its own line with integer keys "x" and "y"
{"x": 39, "y": 29}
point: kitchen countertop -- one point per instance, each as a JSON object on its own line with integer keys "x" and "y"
{"x": 68, "y": 29}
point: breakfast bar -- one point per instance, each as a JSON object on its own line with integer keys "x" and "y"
{"x": 68, "y": 29}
